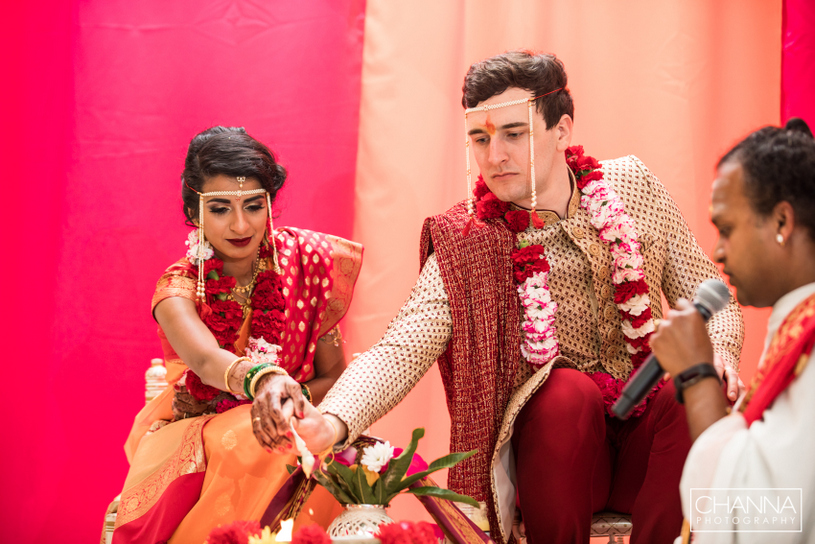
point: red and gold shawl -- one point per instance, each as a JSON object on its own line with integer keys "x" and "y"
{"x": 787, "y": 356}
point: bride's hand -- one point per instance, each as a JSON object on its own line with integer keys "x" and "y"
{"x": 278, "y": 399}
{"x": 185, "y": 405}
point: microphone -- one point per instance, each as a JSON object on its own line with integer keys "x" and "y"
{"x": 711, "y": 297}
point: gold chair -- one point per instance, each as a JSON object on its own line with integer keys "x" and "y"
{"x": 614, "y": 525}
{"x": 155, "y": 383}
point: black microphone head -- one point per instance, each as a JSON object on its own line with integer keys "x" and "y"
{"x": 712, "y": 295}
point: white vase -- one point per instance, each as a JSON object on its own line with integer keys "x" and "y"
{"x": 359, "y": 520}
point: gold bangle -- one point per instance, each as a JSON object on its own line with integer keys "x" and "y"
{"x": 229, "y": 369}
{"x": 334, "y": 442}
{"x": 274, "y": 369}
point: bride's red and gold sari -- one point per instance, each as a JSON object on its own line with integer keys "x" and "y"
{"x": 191, "y": 475}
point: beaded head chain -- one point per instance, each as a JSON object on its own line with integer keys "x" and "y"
{"x": 530, "y": 102}
{"x": 240, "y": 193}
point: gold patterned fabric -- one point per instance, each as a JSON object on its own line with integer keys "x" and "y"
{"x": 587, "y": 321}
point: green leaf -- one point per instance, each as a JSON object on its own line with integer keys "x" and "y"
{"x": 448, "y": 461}
{"x": 524, "y": 243}
{"x": 367, "y": 494}
{"x": 379, "y": 491}
{"x": 440, "y": 493}
{"x": 398, "y": 466}
{"x": 290, "y": 469}
{"x": 332, "y": 488}
{"x": 346, "y": 476}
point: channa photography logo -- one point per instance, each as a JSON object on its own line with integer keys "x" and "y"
{"x": 755, "y": 510}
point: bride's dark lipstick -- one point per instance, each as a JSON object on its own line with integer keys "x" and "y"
{"x": 240, "y": 242}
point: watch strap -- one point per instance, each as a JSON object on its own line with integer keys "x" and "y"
{"x": 692, "y": 375}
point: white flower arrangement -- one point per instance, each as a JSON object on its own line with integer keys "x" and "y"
{"x": 377, "y": 456}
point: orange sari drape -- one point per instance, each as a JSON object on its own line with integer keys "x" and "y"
{"x": 189, "y": 476}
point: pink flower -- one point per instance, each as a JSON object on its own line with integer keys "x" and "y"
{"x": 236, "y": 532}
{"x": 311, "y": 534}
{"x": 406, "y": 532}
{"x": 417, "y": 464}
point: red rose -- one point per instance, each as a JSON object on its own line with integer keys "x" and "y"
{"x": 228, "y": 310}
{"x": 517, "y": 220}
{"x": 574, "y": 152}
{"x": 584, "y": 180}
{"x": 220, "y": 285}
{"x": 610, "y": 388}
{"x": 268, "y": 298}
{"x": 481, "y": 188}
{"x": 236, "y": 532}
{"x": 490, "y": 207}
{"x": 311, "y": 534}
{"x": 586, "y": 162}
{"x": 527, "y": 261}
{"x": 406, "y": 532}
{"x": 641, "y": 342}
{"x": 268, "y": 325}
{"x": 637, "y": 321}
{"x": 215, "y": 323}
{"x": 198, "y": 389}
{"x": 213, "y": 264}
{"x": 626, "y": 290}
{"x": 638, "y": 358}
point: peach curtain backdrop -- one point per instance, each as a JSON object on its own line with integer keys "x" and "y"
{"x": 675, "y": 83}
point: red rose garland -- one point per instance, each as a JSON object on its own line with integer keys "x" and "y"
{"x": 530, "y": 271}
{"x": 226, "y": 318}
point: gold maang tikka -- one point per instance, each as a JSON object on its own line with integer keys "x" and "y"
{"x": 200, "y": 289}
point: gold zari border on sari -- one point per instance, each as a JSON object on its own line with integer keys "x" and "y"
{"x": 187, "y": 458}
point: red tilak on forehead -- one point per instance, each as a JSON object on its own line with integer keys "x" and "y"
{"x": 489, "y": 125}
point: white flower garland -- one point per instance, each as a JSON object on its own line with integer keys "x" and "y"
{"x": 617, "y": 230}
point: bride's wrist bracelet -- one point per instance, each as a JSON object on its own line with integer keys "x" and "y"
{"x": 256, "y": 373}
{"x": 229, "y": 371}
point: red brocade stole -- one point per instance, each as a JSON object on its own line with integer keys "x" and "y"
{"x": 786, "y": 358}
{"x": 478, "y": 368}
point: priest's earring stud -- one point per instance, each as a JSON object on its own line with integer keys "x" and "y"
{"x": 780, "y": 239}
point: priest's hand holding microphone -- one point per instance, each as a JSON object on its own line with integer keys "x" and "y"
{"x": 681, "y": 346}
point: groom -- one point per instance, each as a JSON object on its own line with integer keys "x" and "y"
{"x": 538, "y": 297}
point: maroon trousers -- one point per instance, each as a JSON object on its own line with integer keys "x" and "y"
{"x": 572, "y": 460}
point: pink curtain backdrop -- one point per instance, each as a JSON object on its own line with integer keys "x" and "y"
{"x": 102, "y": 98}
{"x": 674, "y": 82}
{"x": 798, "y": 61}
{"x": 105, "y": 96}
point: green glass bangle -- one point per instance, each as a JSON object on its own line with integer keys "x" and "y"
{"x": 247, "y": 381}
{"x": 306, "y": 391}
{"x": 271, "y": 369}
